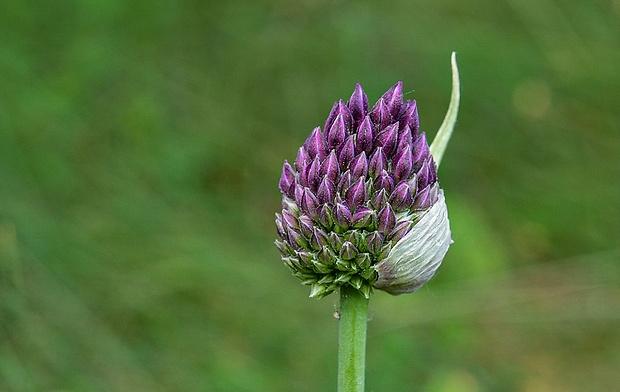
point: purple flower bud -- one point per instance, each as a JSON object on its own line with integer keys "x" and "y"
{"x": 387, "y": 139}
{"x": 393, "y": 98}
{"x": 374, "y": 241}
{"x": 299, "y": 193}
{"x": 280, "y": 227}
{"x": 359, "y": 166}
{"x": 404, "y": 165}
{"x": 318, "y": 239}
{"x": 378, "y": 162}
{"x": 330, "y": 167}
{"x": 365, "y": 135}
{"x": 326, "y": 216}
{"x": 309, "y": 202}
{"x": 348, "y": 251}
{"x": 345, "y": 182}
{"x": 289, "y": 219}
{"x": 326, "y": 191}
{"x": 296, "y": 239}
{"x": 315, "y": 144}
{"x": 339, "y": 109}
{"x": 404, "y": 139}
{"x": 424, "y": 175}
{"x": 432, "y": 171}
{"x": 380, "y": 115}
{"x": 347, "y": 153}
{"x": 422, "y": 199}
{"x": 413, "y": 183}
{"x": 356, "y": 194}
{"x": 420, "y": 151}
{"x": 342, "y": 216}
{"x": 386, "y": 219}
{"x": 336, "y": 133}
{"x": 302, "y": 160}
{"x": 358, "y": 104}
{"x": 363, "y": 217}
{"x": 313, "y": 176}
{"x": 379, "y": 199}
{"x": 384, "y": 181}
{"x": 287, "y": 180}
{"x": 401, "y": 230}
{"x": 401, "y": 199}
{"x": 433, "y": 194}
{"x": 410, "y": 117}
{"x": 344, "y": 110}
{"x": 306, "y": 224}
{"x": 332, "y": 115}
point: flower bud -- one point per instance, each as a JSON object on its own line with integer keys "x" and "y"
{"x": 330, "y": 168}
{"x": 356, "y": 194}
{"x": 326, "y": 191}
{"x": 378, "y": 162}
{"x": 359, "y": 166}
{"x": 315, "y": 144}
{"x": 393, "y": 99}
{"x": 361, "y": 206}
{"x": 363, "y": 217}
{"x": 337, "y": 133}
{"x": 380, "y": 114}
{"x": 287, "y": 180}
{"x": 401, "y": 199}
{"x": 343, "y": 216}
{"x": 365, "y": 134}
{"x": 410, "y": 117}
{"x": 347, "y": 152}
{"x": 358, "y": 104}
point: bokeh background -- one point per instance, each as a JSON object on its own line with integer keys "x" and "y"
{"x": 141, "y": 143}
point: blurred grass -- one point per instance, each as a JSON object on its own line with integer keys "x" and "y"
{"x": 140, "y": 148}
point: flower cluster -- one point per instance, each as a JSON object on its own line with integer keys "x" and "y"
{"x": 361, "y": 205}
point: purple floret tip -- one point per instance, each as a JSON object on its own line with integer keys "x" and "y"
{"x": 365, "y": 135}
{"x": 358, "y": 104}
{"x": 287, "y": 180}
{"x": 359, "y": 166}
{"x": 356, "y": 194}
{"x": 404, "y": 164}
{"x": 336, "y": 133}
{"x": 393, "y": 98}
{"x": 315, "y": 144}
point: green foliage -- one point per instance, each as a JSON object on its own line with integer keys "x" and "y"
{"x": 140, "y": 148}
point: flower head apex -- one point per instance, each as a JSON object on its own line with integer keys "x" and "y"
{"x": 361, "y": 203}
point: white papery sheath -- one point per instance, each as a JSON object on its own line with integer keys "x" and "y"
{"x": 414, "y": 259}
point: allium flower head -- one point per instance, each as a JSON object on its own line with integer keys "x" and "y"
{"x": 361, "y": 204}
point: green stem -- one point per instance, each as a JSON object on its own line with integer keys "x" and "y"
{"x": 352, "y": 340}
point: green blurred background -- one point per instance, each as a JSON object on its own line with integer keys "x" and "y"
{"x": 141, "y": 144}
